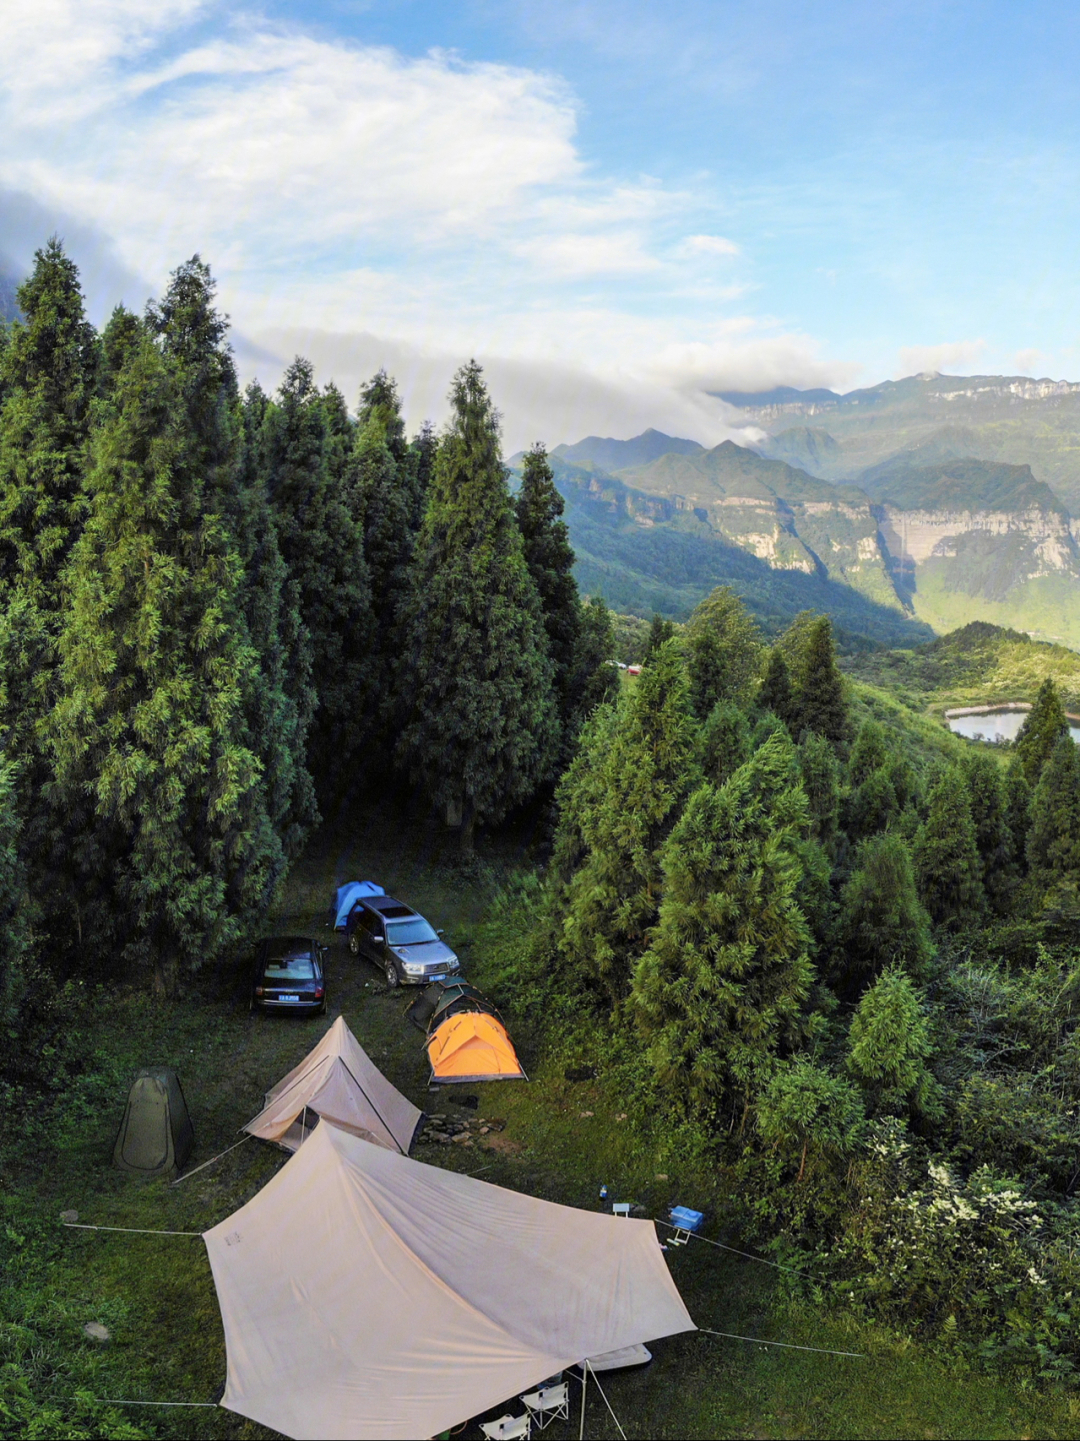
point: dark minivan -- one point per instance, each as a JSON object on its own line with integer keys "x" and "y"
{"x": 289, "y": 975}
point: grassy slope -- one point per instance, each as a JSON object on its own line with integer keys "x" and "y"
{"x": 969, "y": 667}
{"x": 155, "y": 1293}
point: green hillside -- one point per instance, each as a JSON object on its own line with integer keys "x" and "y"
{"x": 957, "y": 484}
{"x": 977, "y": 664}
{"x": 643, "y": 554}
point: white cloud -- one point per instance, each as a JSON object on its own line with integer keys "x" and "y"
{"x": 742, "y": 360}
{"x": 545, "y": 399}
{"x": 274, "y": 144}
{"x": 708, "y": 245}
{"x": 374, "y": 208}
{"x": 574, "y": 256}
{"x": 1029, "y": 362}
{"x": 953, "y": 355}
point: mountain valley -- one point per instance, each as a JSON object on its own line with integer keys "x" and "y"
{"x": 935, "y": 500}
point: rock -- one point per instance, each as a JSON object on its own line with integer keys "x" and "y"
{"x": 622, "y": 1117}
{"x": 95, "y": 1331}
{"x": 661, "y": 1175}
{"x": 584, "y": 1115}
{"x": 462, "y": 1139}
{"x": 69, "y": 1217}
{"x": 484, "y": 1130}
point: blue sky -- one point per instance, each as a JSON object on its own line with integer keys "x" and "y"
{"x": 617, "y": 207}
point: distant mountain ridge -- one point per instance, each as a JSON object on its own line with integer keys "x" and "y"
{"x": 607, "y": 454}
{"x": 929, "y": 531}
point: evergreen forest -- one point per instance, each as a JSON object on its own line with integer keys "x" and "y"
{"x": 828, "y": 947}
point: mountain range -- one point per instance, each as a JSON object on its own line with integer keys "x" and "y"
{"x": 923, "y": 503}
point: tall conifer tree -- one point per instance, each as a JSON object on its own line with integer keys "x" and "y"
{"x": 481, "y": 724}
{"x": 49, "y": 366}
{"x": 820, "y": 704}
{"x": 321, "y": 540}
{"x": 724, "y": 981}
{"x": 1053, "y": 847}
{"x": 623, "y": 811}
{"x": 946, "y": 857}
{"x": 1039, "y": 734}
{"x": 153, "y": 683}
{"x": 882, "y": 922}
{"x": 382, "y": 477}
{"x": 550, "y": 558}
{"x": 775, "y": 693}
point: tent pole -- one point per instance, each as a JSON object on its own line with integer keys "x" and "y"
{"x": 584, "y": 1383}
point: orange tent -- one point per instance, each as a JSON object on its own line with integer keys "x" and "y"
{"x": 472, "y": 1046}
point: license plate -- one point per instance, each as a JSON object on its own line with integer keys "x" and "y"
{"x": 288, "y": 998}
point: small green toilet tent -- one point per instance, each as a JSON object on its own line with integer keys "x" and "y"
{"x": 155, "y": 1134}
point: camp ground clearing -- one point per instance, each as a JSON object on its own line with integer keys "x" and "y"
{"x": 159, "y": 1333}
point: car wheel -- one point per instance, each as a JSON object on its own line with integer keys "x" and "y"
{"x": 354, "y": 944}
{"x": 392, "y": 977}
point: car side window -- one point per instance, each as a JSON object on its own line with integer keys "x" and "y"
{"x": 371, "y": 923}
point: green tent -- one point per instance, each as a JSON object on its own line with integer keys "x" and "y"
{"x": 155, "y": 1134}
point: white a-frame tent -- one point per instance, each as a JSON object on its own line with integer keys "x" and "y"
{"x": 366, "y": 1295}
{"x": 338, "y": 1082}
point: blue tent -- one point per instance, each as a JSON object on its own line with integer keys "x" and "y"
{"x": 347, "y": 896}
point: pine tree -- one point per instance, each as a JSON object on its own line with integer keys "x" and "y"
{"x": 947, "y": 868}
{"x": 383, "y": 483}
{"x": 737, "y": 643}
{"x": 1039, "y": 734}
{"x": 820, "y": 705}
{"x": 724, "y": 981}
{"x": 870, "y": 753}
{"x": 889, "y": 1046}
{"x": 48, "y": 378}
{"x": 622, "y": 801}
{"x": 49, "y": 366}
{"x": 322, "y": 543}
{"x": 1053, "y": 847}
{"x": 1017, "y": 816}
{"x": 153, "y": 687}
{"x": 986, "y": 796}
{"x": 595, "y": 676}
{"x": 821, "y": 782}
{"x": 882, "y": 922}
{"x": 482, "y": 723}
{"x": 222, "y": 439}
{"x": 725, "y": 742}
{"x": 423, "y": 452}
{"x": 660, "y": 632}
{"x": 775, "y": 691}
{"x": 550, "y": 558}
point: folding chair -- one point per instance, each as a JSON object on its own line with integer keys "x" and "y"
{"x": 509, "y": 1428}
{"x": 550, "y": 1403}
{"x": 621, "y": 1208}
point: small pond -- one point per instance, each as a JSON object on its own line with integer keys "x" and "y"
{"x": 995, "y": 726}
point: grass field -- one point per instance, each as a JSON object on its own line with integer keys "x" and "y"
{"x": 561, "y": 1141}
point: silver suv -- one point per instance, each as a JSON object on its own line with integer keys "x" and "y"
{"x": 399, "y": 941}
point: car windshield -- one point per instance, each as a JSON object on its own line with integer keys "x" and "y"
{"x": 409, "y": 933}
{"x": 290, "y": 968}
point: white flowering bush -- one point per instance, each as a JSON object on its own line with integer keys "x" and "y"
{"x": 972, "y": 1262}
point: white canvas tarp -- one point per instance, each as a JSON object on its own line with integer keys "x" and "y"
{"x": 366, "y": 1295}
{"x": 339, "y": 1082}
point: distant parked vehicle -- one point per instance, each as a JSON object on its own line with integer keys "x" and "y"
{"x": 405, "y": 946}
{"x": 289, "y": 975}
